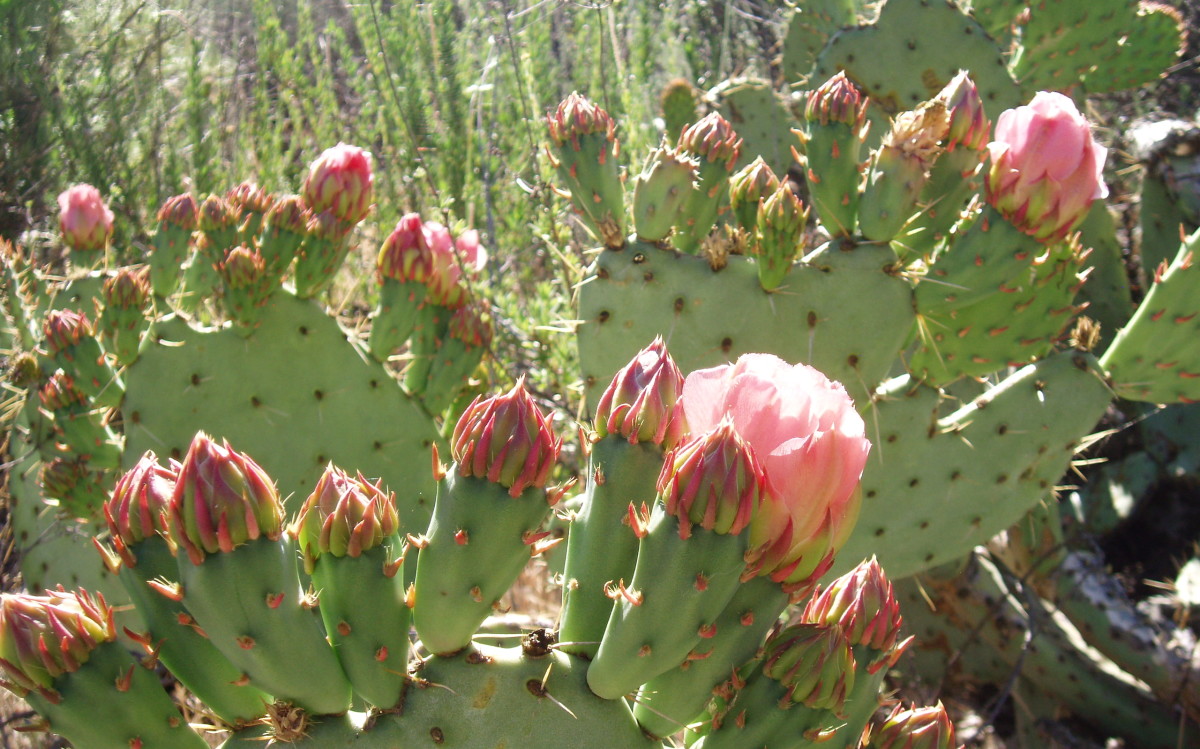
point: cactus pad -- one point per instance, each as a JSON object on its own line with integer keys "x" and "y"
{"x": 308, "y": 385}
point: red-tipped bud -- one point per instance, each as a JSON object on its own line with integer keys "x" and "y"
{"x": 916, "y": 728}
{"x": 85, "y": 221}
{"x": 862, "y": 602}
{"x": 712, "y": 139}
{"x": 836, "y": 100}
{"x": 341, "y": 181}
{"x": 327, "y": 226}
{"x": 127, "y": 289}
{"x": 344, "y": 516}
{"x": 218, "y": 214}
{"x": 59, "y": 477}
{"x": 60, "y": 392}
{"x": 969, "y": 124}
{"x": 44, "y": 637}
{"x": 814, "y": 663}
{"x": 576, "y": 116}
{"x": 137, "y": 508}
{"x": 64, "y": 328}
{"x": 781, "y": 221}
{"x": 1046, "y": 167}
{"x": 222, "y": 500}
{"x": 289, "y": 214}
{"x": 713, "y": 480}
{"x": 248, "y": 196}
{"x": 641, "y": 402}
{"x": 752, "y": 184}
{"x": 506, "y": 439}
{"x": 181, "y": 211}
{"x": 242, "y": 268}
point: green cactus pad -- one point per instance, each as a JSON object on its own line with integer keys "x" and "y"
{"x": 913, "y": 50}
{"x": 1017, "y": 322}
{"x": 1005, "y": 450}
{"x": 313, "y": 398}
{"x": 640, "y": 292}
{"x": 474, "y": 549}
{"x": 486, "y": 697}
{"x": 809, "y": 28}
{"x": 1064, "y": 42}
{"x": 1153, "y": 357}
{"x": 1106, "y": 293}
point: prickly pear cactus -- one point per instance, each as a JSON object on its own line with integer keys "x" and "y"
{"x": 233, "y": 349}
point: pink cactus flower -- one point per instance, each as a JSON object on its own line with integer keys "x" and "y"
{"x": 85, "y": 221}
{"x": 340, "y": 181}
{"x": 1046, "y": 167}
{"x": 812, "y": 445}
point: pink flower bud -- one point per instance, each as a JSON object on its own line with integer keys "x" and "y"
{"x": 181, "y": 211}
{"x": 507, "y": 440}
{"x": 344, "y": 516}
{"x": 472, "y": 324}
{"x": 405, "y": 255}
{"x": 916, "y": 728}
{"x": 43, "y": 637}
{"x": 836, "y": 100}
{"x": 64, "y": 328}
{"x": 713, "y": 481}
{"x": 814, "y": 663}
{"x": 85, "y": 221}
{"x": 222, "y": 500}
{"x": 450, "y": 257}
{"x": 242, "y": 268}
{"x": 1046, "y": 167}
{"x": 61, "y": 392}
{"x": 576, "y": 116}
{"x": 969, "y": 124}
{"x": 712, "y": 139}
{"x": 127, "y": 289}
{"x": 862, "y": 602}
{"x": 812, "y": 445}
{"x": 641, "y": 402}
{"x": 340, "y": 181}
{"x": 137, "y": 508}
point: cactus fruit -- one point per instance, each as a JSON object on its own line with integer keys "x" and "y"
{"x": 661, "y": 191}
{"x": 226, "y": 517}
{"x": 716, "y": 147}
{"x": 899, "y": 170}
{"x": 832, "y": 139}
{"x": 348, "y": 534}
{"x": 486, "y": 519}
{"x": 177, "y": 219}
{"x": 585, "y": 152}
{"x": 124, "y": 320}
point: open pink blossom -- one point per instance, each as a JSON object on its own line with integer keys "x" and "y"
{"x": 85, "y": 221}
{"x": 1046, "y": 167}
{"x": 811, "y": 443}
{"x": 450, "y": 258}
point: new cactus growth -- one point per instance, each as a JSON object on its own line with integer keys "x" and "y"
{"x": 660, "y": 192}
{"x": 486, "y": 520}
{"x": 585, "y": 154}
{"x": 349, "y": 534}
{"x": 835, "y": 121}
